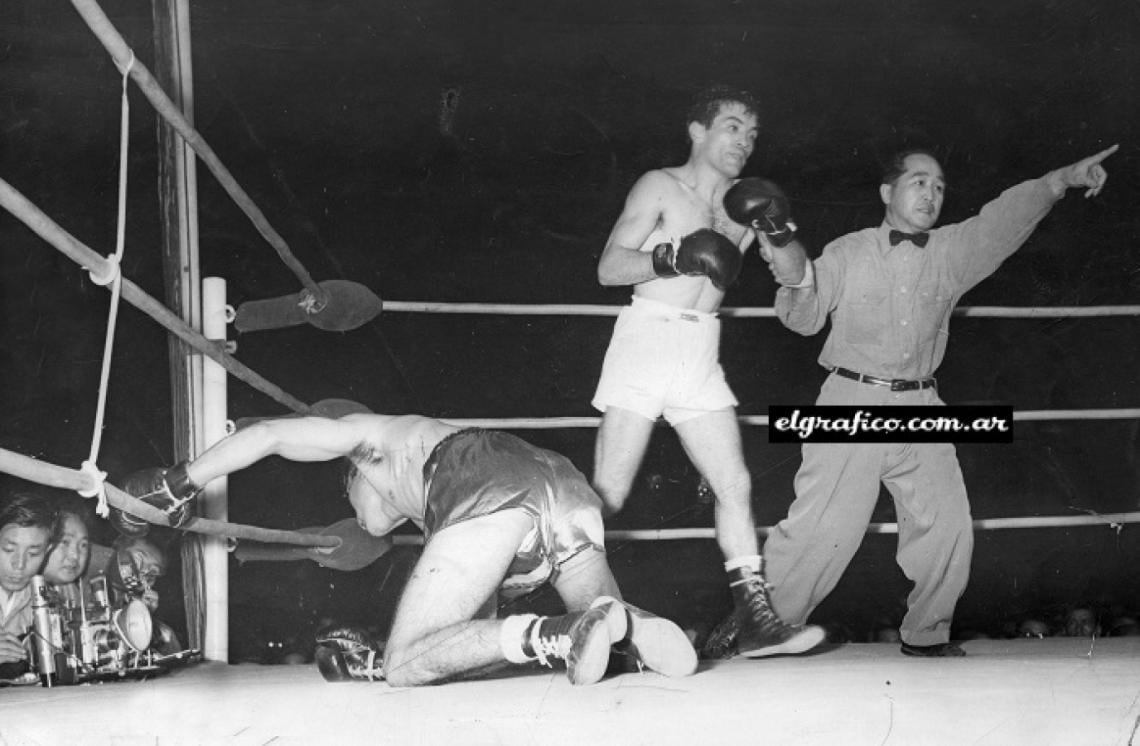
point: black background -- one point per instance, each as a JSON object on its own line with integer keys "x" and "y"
{"x": 328, "y": 114}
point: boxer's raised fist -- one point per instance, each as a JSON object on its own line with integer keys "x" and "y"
{"x": 761, "y": 204}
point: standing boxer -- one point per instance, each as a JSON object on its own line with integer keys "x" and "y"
{"x": 676, "y": 246}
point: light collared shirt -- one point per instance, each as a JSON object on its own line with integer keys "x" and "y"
{"x": 16, "y": 610}
{"x": 890, "y": 305}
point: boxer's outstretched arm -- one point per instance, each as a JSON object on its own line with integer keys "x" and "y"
{"x": 294, "y": 438}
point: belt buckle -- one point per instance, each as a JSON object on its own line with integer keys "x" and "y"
{"x": 689, "y": 317}
{"x": 901, "y": 385}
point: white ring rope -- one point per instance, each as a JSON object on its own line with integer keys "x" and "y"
{"x": 739, "y": 312}
{"x": 107, "y": 271}
{"x": 558, "y": 423}
{"x": 1114, "y": 521}
{"x": 47, "y": 229}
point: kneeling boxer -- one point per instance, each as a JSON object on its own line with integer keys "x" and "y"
{"x": 497, "y": 513}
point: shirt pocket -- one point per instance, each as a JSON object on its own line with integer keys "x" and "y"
{"x": 931, "y": 310}
{"x": 867, "y": 316}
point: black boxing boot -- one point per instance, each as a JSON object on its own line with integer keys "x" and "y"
{"x": 721, "y": 642}
{"x": 580, "y": 638}
{"x": 348, "y": 654}
{"x": 760, "y": 631}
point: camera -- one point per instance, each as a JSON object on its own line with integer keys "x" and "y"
{"x": 87, "y": 637}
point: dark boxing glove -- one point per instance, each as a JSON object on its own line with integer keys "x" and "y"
{"x": 702, "y": 252}
{"x": 170, "y": 490}
{"x": 348, "y": 654}
{"x": 761, "y": 204}
{"x": 665, "y": 260}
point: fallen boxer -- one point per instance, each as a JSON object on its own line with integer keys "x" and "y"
{"x": 498, "y": 515}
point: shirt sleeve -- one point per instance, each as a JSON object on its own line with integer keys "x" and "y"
{"x": 975, "y": 248}
{"x": 804, "y": 308}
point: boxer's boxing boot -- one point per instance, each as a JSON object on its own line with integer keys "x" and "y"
{"x": 760, "y": 631}
{"x": 721, "y": 642}
{"x": 348, "y": 654}
{"x": 656, "y": 643}
{"x": 581, "y": 638}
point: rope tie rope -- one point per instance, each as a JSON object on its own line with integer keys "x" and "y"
{"x": 310, "y": 303}
{"x": 110, "y": 274}
{"x": 83, "y": 255}
{"x": 98, "y": 488}
{"x": 127, "y": 69}
{"x": 117, "y": 47}
{"x": 107, "y": 273}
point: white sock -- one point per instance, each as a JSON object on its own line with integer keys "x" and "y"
{"x": 511, "y": 634}
{"x": 751, "y": 561}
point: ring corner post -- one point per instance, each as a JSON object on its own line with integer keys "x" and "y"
{"x": 216, "y": 497}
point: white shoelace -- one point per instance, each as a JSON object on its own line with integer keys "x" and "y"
{"x": 555, "y": 647}
{"x": 367, "y": 670}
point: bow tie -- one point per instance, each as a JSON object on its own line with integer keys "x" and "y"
{"x": 918, "y": 239}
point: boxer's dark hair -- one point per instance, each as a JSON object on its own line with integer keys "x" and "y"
{"x": 706, "y": 104}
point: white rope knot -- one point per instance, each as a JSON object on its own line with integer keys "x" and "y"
{"x": 310, "y": 304}
{"x": 98, "y": 479}
{"x": 127, "y": 69}
{"x": 110, "y": 271}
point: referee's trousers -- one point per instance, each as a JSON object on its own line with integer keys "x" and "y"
{"x": 836, "y": 489}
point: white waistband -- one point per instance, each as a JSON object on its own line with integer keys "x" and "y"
{"x": 657, "y": 308}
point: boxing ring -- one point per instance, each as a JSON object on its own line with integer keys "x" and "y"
{"x": 1007, "y": 692}
{"x": 851, "y": 694}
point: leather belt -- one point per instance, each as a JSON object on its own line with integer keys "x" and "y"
{"x": 894, "y": 384}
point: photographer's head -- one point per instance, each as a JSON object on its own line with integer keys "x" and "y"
{"x": 28, "y": 525}
{"x": 137, "y": 566}
{"x": 67, "y": 561}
